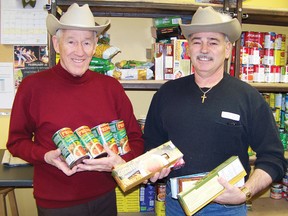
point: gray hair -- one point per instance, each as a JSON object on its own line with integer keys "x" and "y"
{"x": 59, "y": 34}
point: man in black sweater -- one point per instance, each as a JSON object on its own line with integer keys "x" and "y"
{"x": 211, "y": 116}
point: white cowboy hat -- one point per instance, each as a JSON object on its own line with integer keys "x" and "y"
{"x": 75, "y": 18}
{"x": 208, "y": 20}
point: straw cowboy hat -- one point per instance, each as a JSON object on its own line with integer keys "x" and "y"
{"x": 75, "y": 18}
{"x": 208, "y": 20}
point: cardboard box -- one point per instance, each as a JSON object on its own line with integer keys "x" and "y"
{"x": 182, "y": 183}
{"x": 168, "y": 61}
{"x": 147, "y": 197}
{"x": 139, "y": 169}
{"x": 159, "y": 61}
{"x": 208, "y": 188}
{"x": 181, "y": 59}
{"x": 128, "y": 201}
{"x": 162, "y": 22}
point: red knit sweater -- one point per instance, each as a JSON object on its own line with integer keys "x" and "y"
{"x": 50, "y": 100}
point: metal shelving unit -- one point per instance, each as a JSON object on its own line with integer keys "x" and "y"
{"x": 114, "y": 8}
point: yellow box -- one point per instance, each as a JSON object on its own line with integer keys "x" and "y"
{"x": 139, "y": 169}
{"x": 208, "y": 188}
{"x": 128, "y": 201}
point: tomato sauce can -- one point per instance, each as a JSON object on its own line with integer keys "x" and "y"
{"x": 90, "y": 142}
{"x": 105, "y": 136}
{"x": 71, "y": 148}
{"x": 119, "y": 131}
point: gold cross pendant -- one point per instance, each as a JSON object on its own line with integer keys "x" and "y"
{"x": 203, "y": 97}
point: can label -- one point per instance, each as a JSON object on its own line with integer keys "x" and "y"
{"x": 118, "y": 130}
{"x": 105, "y": 136}
{"x": 269, "y": 40}
{"x": 71, "y": 148}
{"x": 90, "y": 142}
{"x": 141, "y": 122}
{"x": 160, "y": 199}
{"x": 276, "y": 191}
{"x": 246, "y": 72}
{"x": 268, "y": 57}
{"x": 244, "y": 55}
{"x": 278, "y": 41}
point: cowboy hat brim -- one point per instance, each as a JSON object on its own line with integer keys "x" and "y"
{"x": 231, "y": 28}
{"x": 53, "y": 24}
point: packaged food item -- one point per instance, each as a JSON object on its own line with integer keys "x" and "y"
{"x": 71, "y": 149}
{"x": 105, "y": 136}
{"x": 118, "y": 130}
{"x": 208, "y": 188}
{"x": 90, "y": 142}
{"x": 139, "y": 169}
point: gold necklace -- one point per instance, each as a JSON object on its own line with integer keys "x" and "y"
{"x": 204, "y": 93}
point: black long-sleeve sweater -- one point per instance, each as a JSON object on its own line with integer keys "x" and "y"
{"x": 233, "y": 116}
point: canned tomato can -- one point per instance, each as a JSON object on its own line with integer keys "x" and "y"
{"x": 141, "y": 121}
{"x": 71, "y": 148}
{"x": 105, "y": 136}
{"x": 119, "y": 131}
{"x": 90, "y": 142}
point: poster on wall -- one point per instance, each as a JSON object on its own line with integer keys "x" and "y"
{"x": 29, "y": 60}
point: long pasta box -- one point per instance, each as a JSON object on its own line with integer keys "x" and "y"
{"x": 208, "y": 188}
{"x": 139, "y": 169}
{"x": 182, "y": 183}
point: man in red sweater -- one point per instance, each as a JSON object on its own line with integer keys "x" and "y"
{"x": 71, "y": 95}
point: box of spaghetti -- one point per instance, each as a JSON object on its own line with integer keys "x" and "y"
{"x": 139, "y": 169}
{"x": 208, "y": 188}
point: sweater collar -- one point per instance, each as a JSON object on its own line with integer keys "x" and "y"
{"x": 64, "y": 74}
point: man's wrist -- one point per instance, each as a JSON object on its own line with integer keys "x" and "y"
{"x": 247, "y": 193}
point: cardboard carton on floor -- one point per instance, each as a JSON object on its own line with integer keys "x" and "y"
{"x": 139, "y": 169}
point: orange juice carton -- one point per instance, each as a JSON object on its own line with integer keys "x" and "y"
{"x": 139, "y": 169}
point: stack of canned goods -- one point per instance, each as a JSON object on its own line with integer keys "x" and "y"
{"x": 84, "y": 143}
{"x": 280, "y": 190}
{"x": 285, "y": 185}
{"x": 262, "y": 57}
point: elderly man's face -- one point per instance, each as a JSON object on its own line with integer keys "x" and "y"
{"x": 76, "y": 49}
{"x": 208, "y": 50}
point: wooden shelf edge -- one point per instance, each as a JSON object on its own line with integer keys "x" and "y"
{"x": 156, "y": 84}
{"x": 142, "y": 84}
{"x": 270, "y": 87}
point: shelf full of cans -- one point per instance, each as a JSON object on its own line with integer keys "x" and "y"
{"x": 263, "y": 57}
{"x": 278, "y": 102}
